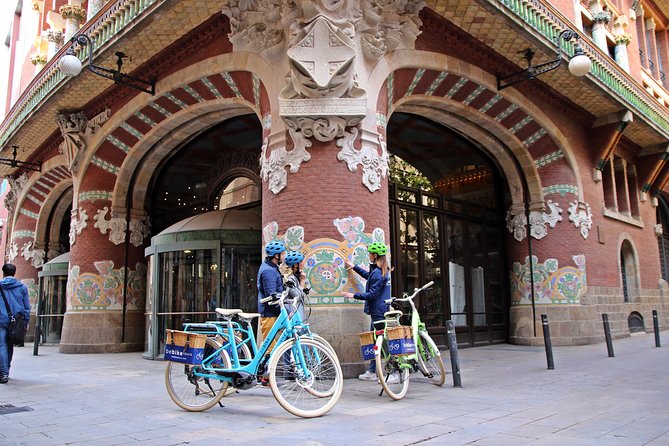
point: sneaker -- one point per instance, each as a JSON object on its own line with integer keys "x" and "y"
{"x": 4, "y": 379}
{"x": 393, "y": 379}
{"x": 367, "y": 376}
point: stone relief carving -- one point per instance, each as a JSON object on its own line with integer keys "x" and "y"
{"x": 34, "y": 256}
{"x": 516, "y": 222}
{"x": 374, "y": 166}
{"x": 16, "y": 187}
{"x": 383, "y": 25}
{"x": 53, "y": 253}
{"x": 26, "y": 251}
{"x": 538, "y": 220}
{"x": 13, "y": 251}
{"x": 77, "y": 130}
{"x": 139, "y": 230}
{"x": 581, "y": 215}
{"x": 77, "y": 224}
{"x": 115, "y": 225}
{"x": 273, "y": 168}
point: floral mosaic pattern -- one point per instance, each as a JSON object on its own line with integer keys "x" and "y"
{"x": 104, "y": 291}
{"x": 324, "y": 257}
{"x": 552, "y": 284}
{"x": 32, "y": 293}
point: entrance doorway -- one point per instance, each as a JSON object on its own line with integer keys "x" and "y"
{"x": 447, "y": 223}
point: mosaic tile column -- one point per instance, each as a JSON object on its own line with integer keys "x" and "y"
{"x": 106, "y": 266}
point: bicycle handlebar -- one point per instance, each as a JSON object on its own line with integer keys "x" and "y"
{"x": 415, "y": 292}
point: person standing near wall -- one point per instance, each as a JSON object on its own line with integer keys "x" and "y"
{"x": 377, "y": 291}
{"x": 16, "y": 295}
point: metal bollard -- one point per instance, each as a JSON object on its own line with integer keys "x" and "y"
{"x": 607, "y": 334}
{"x": 453, "y": 350}
{"x": 656, "y": 329}
{"x": 547, "y": 342}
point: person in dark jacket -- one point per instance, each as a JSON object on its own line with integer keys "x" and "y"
{"x": 16, "y": 294}
{"x": 377, "y": 291}
{"x": 270, "y": 281}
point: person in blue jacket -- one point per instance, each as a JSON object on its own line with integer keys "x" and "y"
{"x": 270, "y": 281}
{"x": 16, "y": 294}
{"x": 377, "y": 291}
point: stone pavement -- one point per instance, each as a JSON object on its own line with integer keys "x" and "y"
{"x": 508, "y": 398}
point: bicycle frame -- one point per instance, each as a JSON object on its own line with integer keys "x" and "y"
{"x": 406, "y": 361}
{"x": 264, "y": 352}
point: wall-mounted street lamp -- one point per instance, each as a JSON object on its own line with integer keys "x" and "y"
{"x": 70, "y": 65}
{"x": 13, "y": 162}
{"x": 579, "y": 64}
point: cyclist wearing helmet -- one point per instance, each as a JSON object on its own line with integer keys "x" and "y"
{"x": 377, "y": 291}
{"x": 269, "y": 282}
{"x": 295, "y": 279}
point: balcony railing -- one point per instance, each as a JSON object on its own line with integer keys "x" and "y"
{"x": 111, "y": 20}
{"x": 548, "y": 22}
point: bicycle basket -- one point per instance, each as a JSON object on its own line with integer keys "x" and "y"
{"x": 400, "y": 340}
{"x": 367, "y": 345}
{"x": 184, "y": 347}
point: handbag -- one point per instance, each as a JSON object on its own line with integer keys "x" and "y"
{"x": 16, "y": 332}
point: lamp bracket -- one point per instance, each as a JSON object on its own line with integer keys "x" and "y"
{"x": 115, "y": 75}
{"x": 533, "y": 71}
{"x": 13, "y": 162}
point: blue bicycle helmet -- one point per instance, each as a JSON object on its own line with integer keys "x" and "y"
{"x": 273, "y": 248}
{"x": 293, "y": 258}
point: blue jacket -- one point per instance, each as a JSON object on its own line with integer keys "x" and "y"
{"x": 17, "y": 298}
{"x": 377, "y": 291}
{"x": 269, "y": 281}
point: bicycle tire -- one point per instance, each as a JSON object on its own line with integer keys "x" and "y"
{"x": 430, "y": 360}
{"x": 196, "y": 393}
{"x": 388, "y": 369}
{"x": 312, "y": 392}
{"x": 322, "y": 340}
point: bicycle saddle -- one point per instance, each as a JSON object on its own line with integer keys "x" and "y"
{"x": 248, "y": 315}
{"x": 392, "y": 314}
{"x": 228, "y": 311}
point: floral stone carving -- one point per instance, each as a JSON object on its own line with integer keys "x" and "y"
{"x": 139, "y": 230}
{"x": 115, "y": 225}
{"x": 16, "y": 187}
{"x": 374, "y": 166}
{"x": 581, "y": 215}
{"x": 77, "y": 224}
{"x": 273, "y": 168}
{"x": 516, "y": 222}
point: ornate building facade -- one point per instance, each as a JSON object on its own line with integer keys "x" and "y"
{"x": 329, "y": 124}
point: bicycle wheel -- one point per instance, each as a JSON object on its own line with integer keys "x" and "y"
{"x": 307, "y": 380}
{"x": 196, "y": 393}
{"x": 430, "y": 360}
{"x": 321, "y": 339}
{"x": 393, "y": 378}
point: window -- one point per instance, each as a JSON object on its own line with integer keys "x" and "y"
{"x": 628, "y": 271}
{"x": 621, "y": 190}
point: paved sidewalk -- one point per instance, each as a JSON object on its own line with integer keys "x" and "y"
{"x": 508, "y": 398}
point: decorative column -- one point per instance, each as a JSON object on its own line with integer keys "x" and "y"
{"x": 93, "y": 7}
{"x": 323, "y": 144}
{"x": 600, "y": 20}
{"x": 105, "y": 288}
{"x": 74, "y": 16}
{"x": 620, "y": 54}
{"x": 55, "y": 39}
{"x": 39, "y": 60}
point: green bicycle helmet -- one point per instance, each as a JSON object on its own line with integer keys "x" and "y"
{"x": 378, "y": 248}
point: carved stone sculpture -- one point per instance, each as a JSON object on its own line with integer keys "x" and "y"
{"x": 77, "y": 131}
{"x": 581, "y": 215}
{"x": 374, "y": 166}
{"x": 16, "y": 187}
{"x": 115, "y": 225}
{"x": 77, "y": 224}
{"x": 273, "y": 167}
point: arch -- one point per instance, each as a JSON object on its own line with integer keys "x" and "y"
{"x": 628, "y": 267}
{"x": 635, "y": 323}
{"x": 524, "y": 128}
{"x": 151, "y": 151}
{"x": 201, "y": 88}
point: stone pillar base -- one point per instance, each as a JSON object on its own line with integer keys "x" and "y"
{"x": 101, "y": 332}
{"x": 569, "y": 325}
{"x": 340, "y": 326}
